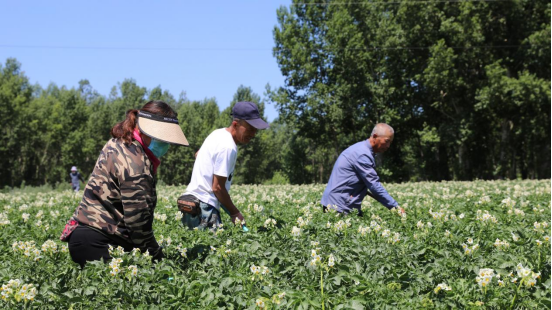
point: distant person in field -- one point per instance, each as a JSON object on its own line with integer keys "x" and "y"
{"x": 354, "y": 175}
{"x": 214, "y": 169}
{"x": 118, "y": 204}
{"x": 75, "y": 178}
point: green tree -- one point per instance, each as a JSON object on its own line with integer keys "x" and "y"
{"x": 517, "y": 110}
{"x": 419, "y": 66}
{"x": 15, "y": 95}
{"x": 56, "y": 121}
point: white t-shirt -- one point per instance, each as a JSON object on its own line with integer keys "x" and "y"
{"x": 218, "y": 156}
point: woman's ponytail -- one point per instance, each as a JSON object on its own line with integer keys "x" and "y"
{"x": 124, "y": 130}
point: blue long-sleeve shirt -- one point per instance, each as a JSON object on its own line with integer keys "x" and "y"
{"x": 352, "y": 176}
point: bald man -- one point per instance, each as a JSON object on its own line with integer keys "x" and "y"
{"x": 354, "y": 175}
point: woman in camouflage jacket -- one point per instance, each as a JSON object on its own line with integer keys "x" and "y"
{"x": 119, "y": 200}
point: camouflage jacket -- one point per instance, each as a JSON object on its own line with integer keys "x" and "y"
{"x": 120, "y": 196}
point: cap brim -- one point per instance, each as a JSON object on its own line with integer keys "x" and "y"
{"x": 258, "y": 123}
{"x": 162, "y": 131}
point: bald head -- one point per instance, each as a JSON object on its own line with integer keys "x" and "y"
{"x": 382, "y": 129}
{"x": 381, "y": 137}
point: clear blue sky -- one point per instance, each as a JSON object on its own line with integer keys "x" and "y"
{"x": 204, "y": 48}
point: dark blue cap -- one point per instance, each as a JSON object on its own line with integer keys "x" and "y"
{"x": 249, "y": 112}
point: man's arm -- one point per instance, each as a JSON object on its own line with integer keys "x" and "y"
{"x": 219, "y": 189}
{"x": 365, "y": 167}
{"x": 399, "y": 209}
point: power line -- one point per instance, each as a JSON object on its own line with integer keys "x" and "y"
{"x": 394, "y": 2}
{"x": 130, "y": 48}
{"x": 254, "y": 49}
{"x": 428, "y": 47}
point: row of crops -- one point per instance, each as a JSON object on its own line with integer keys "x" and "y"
{"x": 462, "y": 244}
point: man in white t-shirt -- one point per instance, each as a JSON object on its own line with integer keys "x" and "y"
{"x": 214, "y": 167}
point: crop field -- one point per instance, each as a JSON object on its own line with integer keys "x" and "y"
{"x": 481, "y": 244}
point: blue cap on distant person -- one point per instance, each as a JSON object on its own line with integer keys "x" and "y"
{"x": 74, "y": 168}
{"x": 249, "y": 112}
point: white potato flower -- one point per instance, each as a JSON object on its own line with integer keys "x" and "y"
{"x": 442, "y": 286}
{"x": 296, "y": 231}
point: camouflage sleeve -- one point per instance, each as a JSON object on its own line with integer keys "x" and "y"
{"x": 99, "y": 205}
{"x": 137, "y": 215}
{"x": 136, "y": 198}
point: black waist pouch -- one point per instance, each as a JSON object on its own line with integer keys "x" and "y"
{"x": 189, "y": 204}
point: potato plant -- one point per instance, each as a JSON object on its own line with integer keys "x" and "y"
{"x": 461, "y": 244}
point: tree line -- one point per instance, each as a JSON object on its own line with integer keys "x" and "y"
{"x": 46, "y": 131}
{"x": 466, "y": 86}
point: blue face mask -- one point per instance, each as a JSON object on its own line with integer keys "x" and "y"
{"x": 158, "y": 148}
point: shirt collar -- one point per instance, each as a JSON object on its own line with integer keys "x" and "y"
{"x": 370, "y": 147}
